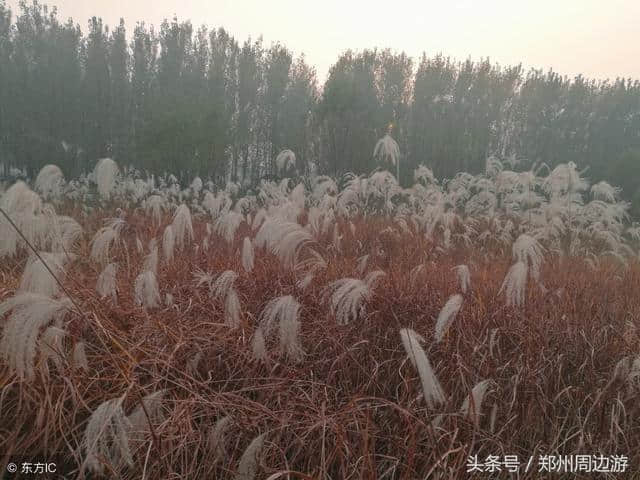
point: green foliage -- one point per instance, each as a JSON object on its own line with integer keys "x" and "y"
{"x": 625, "y": 172}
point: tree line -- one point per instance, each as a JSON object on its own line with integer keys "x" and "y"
{"x": 195, "y": 101}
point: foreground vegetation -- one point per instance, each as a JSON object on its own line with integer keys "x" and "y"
{"x": 320, "y": 329}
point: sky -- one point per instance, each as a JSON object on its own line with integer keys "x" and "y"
{"x": 600, "y": 39}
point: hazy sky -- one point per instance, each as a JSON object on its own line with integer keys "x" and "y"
{"x": 595, "y": 37}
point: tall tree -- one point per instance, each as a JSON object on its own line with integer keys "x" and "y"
{"x": 296, "y": 122}
{"x": 97, "y": 92}
{"x": 7, "y": 83}
{"x": 278, "y": 63}
{"x": 119, "y": 93}
{"x": 249, "y": 81}
{"x": 222, "y": 100}
{"x": 144, "y": 48}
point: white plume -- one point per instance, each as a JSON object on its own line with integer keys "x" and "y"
{"x": 515, "y": 284}
{"x": 49, "y": 182}
{"x": 80, "y": 356}
{"x": 528, "y": 250}
{"x": 433, "y": 393}
{"x": 464, "y": 277}
{"x": 226, "y": 225}
{"x": 139, "y": 419}
{"x": 64, "y": 232}
{"x": 24, "y": 207}
{"x": 150, "y": 262}
{"x": 154, "y": 206}
{"x": 106, "y": 285}
{"x": 52, "y": 348}
{"x": 182, "y": 227}
{"x": 258, "y": 345}
{"x": 232, "y": 309}
{"x": 285, "y": 160}
{"x": 247, "y": 255}
{"x": 104, "y": 239}
{"x": 349, "y": 295}
{"x": 387, "y": 150}
{"x": 215, "y": 438}
{"x": 473, "y": 403}
{"x": 283, "y": 311}
{"x": 168, "y": 243}
{"x": 36, "y": 278}
{"x": 447, "y": 316}
{"x": 105, "y": 173}
{"x": 223, "y": 284}
{"x": 106, "y": 437}
{"x": 146, "y": 290}
{"x": 248, "y": 466}
{"x": 283, "y": 238}
{"x": 30, "y": 314}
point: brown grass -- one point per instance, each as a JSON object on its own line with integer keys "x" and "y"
{"x": 352, "y": 409}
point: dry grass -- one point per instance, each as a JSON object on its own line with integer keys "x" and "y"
{"x": 352, "y": 408}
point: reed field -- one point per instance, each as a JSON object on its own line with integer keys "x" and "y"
{"x": 319, "y": 328}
